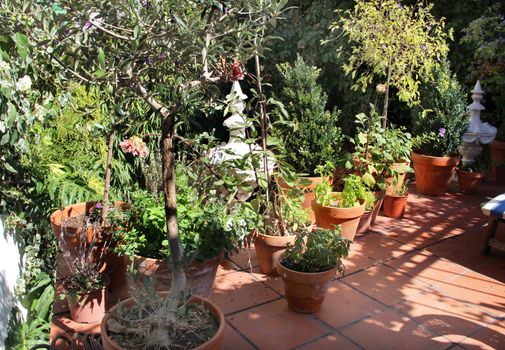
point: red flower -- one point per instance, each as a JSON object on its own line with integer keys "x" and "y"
{"x": 135, "y": 146}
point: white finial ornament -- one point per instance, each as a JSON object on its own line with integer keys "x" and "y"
{"x": 478, "y": 133}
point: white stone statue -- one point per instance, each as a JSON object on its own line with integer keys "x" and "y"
{"x": 478, "y": 132}
{"x": 237, "y": 148}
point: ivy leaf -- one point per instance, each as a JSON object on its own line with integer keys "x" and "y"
{"x": 21, "y": 41}
{"x": 9, "y": 168}
{"x": 368, "y": 179}
{"x": 101, "y": 59}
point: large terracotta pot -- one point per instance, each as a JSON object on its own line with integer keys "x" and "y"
{"x": 469, "y": 181}
{"x": 433, "y": 174}
{"x": 305, "y": 292}
{"x": 391, "y": 184}
{"x": 268, "y": 250}
{"x": 497, "y": 154}
{"x": 200, "y": 274}
{"x": 89, "y": 307}
{"x": 347, "y": 218}
{"x": 215, "y": 343}
{"x": 394, "y": 206}
{"x": 113, "y": 265}
{"x": 308, "y": 196}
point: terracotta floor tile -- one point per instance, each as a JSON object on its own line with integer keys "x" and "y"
{"x": 332, "y": 341}
{"x": 380, "y": 247}
{"x": 344, "y": 305}
{"x": 491, "y": 337}
{"x": 274, "y": 282}
{"x": 427, "y": 267}
{"x": 478, "y": 290}
{"x": 357, "y": 259}
{"x": 385, "y": 284}
{"x": 389, "y": 331}
{"x": 444, "y": 315}
{"x": 463, "y": 250}
{"x": 227, "y": 266}
{"x": 245, "y": 258}
{"x": 240, "y": 290}
{"x": 233, "y": 340}
{"x": 274, "y": 326}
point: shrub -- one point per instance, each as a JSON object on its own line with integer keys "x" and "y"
{"x": 441, "y": 120}
{"x": 310, "y": 135}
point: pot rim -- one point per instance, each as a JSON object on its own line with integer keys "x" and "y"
{"x": 305, "y": 273}
{"x": 208, "y": 304}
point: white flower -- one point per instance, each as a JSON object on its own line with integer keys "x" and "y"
{"x": 4, "y": 67}
{"x": 24, "y": 83}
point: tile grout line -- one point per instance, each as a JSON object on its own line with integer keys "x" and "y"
{"x": 250, "y": 342}
{"x": 253, "y": 306}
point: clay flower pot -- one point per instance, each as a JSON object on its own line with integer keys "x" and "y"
{"x": 200, "y": 274}
{"x": 309, "y": 192}
{"x": 348, "y": 218}
{"x": 305, "y": 292}
{"x": 268, "y": 249}
{"x": 497, "y": 154}
{"x": 369, "y": 216}
{"x": 433, "y": 174}
{"x": 394, "y": 206}
{"x": 215, "y": 343}
{"x": 89, "y": 307}
{"x": 469, "y": 181}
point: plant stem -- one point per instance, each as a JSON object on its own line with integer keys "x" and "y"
{"x": 386, "y": 97}
{"x": 108, "y": 170}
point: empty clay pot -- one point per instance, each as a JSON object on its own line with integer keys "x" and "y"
{"x": 267, "y": 250}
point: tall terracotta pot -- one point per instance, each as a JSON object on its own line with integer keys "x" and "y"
{"x": 347, "y": 218}
{"x": 200, "y": 274}
{"x": 369, "y": 216}
{"x": 433, "y": 174}
{"x": 89, "y": 307}
{"x": 215, "y": 343}
{"x": 497, "y": 154}
{"x": 309, "y": 192}
{"x": 394, "y": 206}
{"x": 268, "y": 249}
{"x": 469, "y": 181}
{"x": 305, "y": 292}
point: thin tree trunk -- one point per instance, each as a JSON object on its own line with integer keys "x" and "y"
{"x": 108, "y": 170}
{"x": 176, "y": 251}
{"x": 386, "y": 98}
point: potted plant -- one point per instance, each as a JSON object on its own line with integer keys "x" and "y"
{"x": 307, "y": 266}
{"x": 373, "y": 203}
{"x": 309, "y": 133}
{"x": 399, "y": 147}
{"x": 470, "y": 177}
{"x": 85, "y": 284}
{"x": 439, "y": 128}
{"x": 395, "y": 201}
{"x": 340, "y": 208}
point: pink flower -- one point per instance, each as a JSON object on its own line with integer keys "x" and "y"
{"x": 236, "y": 71}
{"x": 135, "y": 146}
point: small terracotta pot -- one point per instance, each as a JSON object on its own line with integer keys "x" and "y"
{"x": 347, "y": 218}
{"x": 268, "y": 249}
{"x": 433, "y": 174}
{"x": 89, "y": 307}
{"x": 215, "y": 343}
{"x": 305, "y": 292}
{"x": 497, "y": 154}
{"x": 368, "y": 218}
{"x": 469, "y": 181}
{"x": 200, "y": 274}
{"x": 394, "y": 206}
{"x": 390, "y": 181}
{"x": 309, "y": 192}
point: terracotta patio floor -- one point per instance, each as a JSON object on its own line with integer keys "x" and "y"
{"x": 415, "y": 283}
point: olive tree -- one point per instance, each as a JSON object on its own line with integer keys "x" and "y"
{"x": 398, "y": 43}
{"x": 166, "y": 53}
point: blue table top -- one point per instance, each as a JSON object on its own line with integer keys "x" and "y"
{"x": 495, "y": 207}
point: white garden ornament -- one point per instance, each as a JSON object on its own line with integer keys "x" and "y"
{"x": 478, "y": 133}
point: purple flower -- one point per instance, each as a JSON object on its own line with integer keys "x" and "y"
{"x": 98, "y": 205}
{"x": 384, "y": 47}
{"x": 423, "y": 47}
{"x": 87, "y": 25}
{"x": 400, "y": 5}
{"x": 441, "y": 132}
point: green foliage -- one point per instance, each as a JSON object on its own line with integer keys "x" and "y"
{"x": 317, "y": 251}
{"x": 38, "y": 300}
{"x": 354, "y": 193}
{"x": 441, "y": 120}
{"x": 399, "y": 192}
{"x": 309, "y": 133}
{"x": 396, "y": 42}
{"x": 486, "y": 38}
